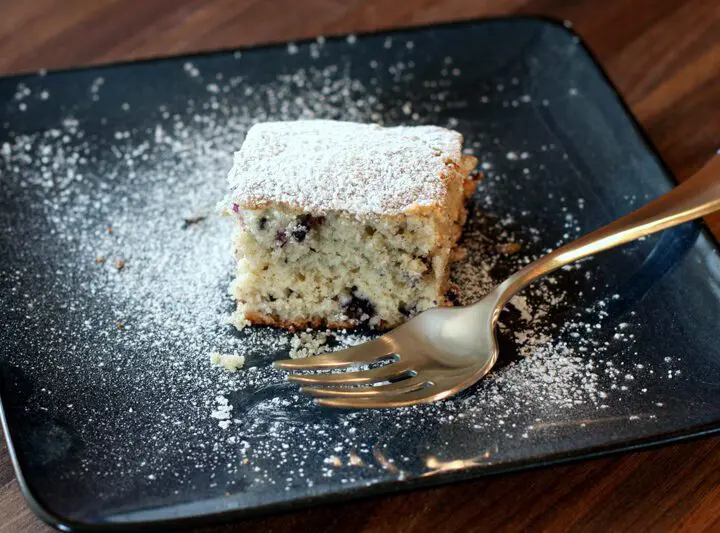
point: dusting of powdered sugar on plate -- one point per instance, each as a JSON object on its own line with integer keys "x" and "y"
{"x": 132, "y": 300}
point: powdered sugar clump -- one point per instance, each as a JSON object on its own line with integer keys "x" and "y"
{"x": 231, "y": 362}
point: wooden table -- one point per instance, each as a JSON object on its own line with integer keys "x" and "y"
{"x": 664, "y": 55}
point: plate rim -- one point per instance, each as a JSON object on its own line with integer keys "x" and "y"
{"x": 693, "y": 432}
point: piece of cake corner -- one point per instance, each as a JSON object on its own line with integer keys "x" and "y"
{"x": 340, "y": 224}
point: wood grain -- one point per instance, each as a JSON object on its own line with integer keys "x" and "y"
{"x": 664, "y": 56}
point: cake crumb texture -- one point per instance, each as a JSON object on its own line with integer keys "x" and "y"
{"x": 308, "y": 343}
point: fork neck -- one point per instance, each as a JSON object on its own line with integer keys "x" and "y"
{"x": 697, "y": 196}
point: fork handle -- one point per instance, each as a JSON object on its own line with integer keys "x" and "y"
{"x": 694, "y": 198}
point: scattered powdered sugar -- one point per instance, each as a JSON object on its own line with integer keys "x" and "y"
{"x": 364, "y": 169}
{"x": 123, "y": 350}
{"x": 222, "y": 412}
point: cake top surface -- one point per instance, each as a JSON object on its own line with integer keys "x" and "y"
{"x": 325, "y": 165}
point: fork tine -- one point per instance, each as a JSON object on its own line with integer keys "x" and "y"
{"x": 398, "y": 387}
{"x": 363, "y": 353}
{"x": 374, "y": 375}
{"x": 424, "y": 395}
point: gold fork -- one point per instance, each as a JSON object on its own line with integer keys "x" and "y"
{"x": 445, "y": 350}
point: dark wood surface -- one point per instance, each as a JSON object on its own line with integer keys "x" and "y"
{"x": 664, "y": 55}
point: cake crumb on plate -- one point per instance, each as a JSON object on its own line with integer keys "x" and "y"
{"x": 307, "y": 343}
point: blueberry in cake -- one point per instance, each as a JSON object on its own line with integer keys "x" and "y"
{"x": 339, "y": 223}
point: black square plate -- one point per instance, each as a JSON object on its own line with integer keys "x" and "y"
{"x": 114, "y": 265}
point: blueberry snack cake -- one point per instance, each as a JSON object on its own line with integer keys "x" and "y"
{"x": 340, "y": 223}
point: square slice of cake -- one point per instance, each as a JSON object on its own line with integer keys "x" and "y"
{"x": 340, "y": 224}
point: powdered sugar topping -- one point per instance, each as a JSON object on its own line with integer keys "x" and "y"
{"x": 322, "y": 165}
